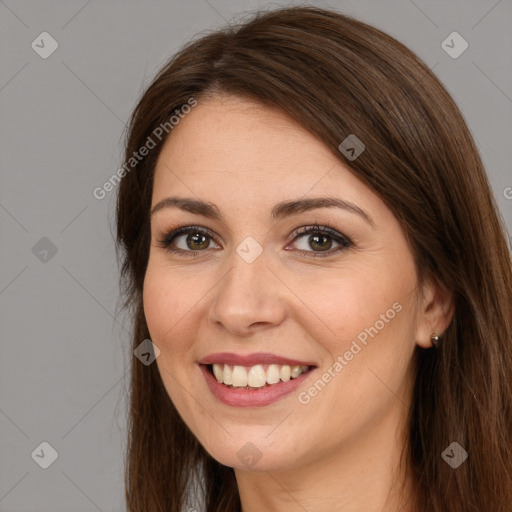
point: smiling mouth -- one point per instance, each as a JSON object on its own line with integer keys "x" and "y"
{"x": 256, "y": 377}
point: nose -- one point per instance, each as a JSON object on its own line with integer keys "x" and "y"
{"x": 250, "y": 297}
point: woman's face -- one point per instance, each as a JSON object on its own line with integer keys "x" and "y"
{"x": 248, "y": 289}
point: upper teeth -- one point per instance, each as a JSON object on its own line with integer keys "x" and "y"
{"x": 256, "y": 376}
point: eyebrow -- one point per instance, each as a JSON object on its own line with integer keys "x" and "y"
{"x": 279, "y": 211}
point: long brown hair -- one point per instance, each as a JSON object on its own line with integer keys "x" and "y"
{"x": 337, "y": 76}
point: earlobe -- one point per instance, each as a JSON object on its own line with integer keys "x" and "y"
{"x": 437, "y": 307}
{"x": 435, "y": 338}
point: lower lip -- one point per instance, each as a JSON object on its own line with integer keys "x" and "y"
{"x": 238, "y": 397}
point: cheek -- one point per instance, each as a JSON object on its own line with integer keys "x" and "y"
{"x": 158, "y": 305}
{"x": 163, "y": 310}
{"x": 345, "y": 301}
{"x": 166, "y": 302}
{"x": 172, "y": 306}
{"x": 366, "y": 316}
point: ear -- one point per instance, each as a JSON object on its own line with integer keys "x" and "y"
{"x": 436, "y": 310}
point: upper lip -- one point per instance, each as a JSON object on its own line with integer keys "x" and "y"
{"x": 251, "y": 359}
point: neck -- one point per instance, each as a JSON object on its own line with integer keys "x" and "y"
{"x": 367, "y": 474}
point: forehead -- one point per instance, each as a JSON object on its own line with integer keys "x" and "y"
{"x": 234, "y": 144}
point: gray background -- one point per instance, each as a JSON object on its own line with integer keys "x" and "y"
{"x": 64, "y": 348}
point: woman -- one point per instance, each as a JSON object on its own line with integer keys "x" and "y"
{"x": 311, "y": 244}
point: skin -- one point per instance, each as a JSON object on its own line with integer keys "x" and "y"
{"x": 341, "y": 450}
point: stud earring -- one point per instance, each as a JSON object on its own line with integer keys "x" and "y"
{"x": 435, "y": 338}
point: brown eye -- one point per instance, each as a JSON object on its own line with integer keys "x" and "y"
{"x": 188, "y": 239}
{"x": 319, "y": 241}
{"x": 322, "y": 242}
{"x": 196, "y": 241}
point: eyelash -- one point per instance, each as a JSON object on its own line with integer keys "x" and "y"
{"x": 344, "y": 241}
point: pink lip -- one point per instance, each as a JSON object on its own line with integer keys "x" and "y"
{"x": 251, "y": 359}
{"x": 238, "y": 397}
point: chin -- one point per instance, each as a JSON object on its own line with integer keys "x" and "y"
{"x": 250, "y": 458}
{"x": 252, "y": 451}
